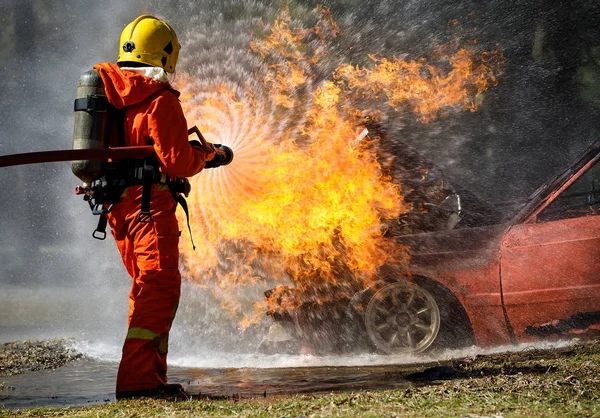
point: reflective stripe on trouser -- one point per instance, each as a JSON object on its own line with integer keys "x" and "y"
{"x": 161, "y": 341}
{"x": 150, "y": 254}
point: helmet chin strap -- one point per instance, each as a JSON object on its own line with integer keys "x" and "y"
{"x": 171, "y": 77}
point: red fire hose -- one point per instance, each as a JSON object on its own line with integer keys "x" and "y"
{"x": 88, "y": 154}
{"x": 76, "y": 155}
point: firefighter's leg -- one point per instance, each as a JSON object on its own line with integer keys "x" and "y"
{"x": 125, "y": 245}
{"x": 155, "y": 296}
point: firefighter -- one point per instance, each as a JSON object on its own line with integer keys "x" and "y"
{"x": 139, "y": 86}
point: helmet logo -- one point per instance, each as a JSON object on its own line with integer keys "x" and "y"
{"x": 128, "y": 46}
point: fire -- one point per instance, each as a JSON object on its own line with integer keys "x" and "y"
{"x": 423, "y": 88}
{"x": 304, "y": 202}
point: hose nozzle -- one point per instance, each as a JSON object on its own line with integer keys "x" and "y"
{"x": 223, "y": 156}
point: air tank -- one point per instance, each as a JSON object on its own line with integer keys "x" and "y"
{"x": 91, "y": 125}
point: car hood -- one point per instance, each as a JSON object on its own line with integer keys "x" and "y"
{"x": 454, "y": 249}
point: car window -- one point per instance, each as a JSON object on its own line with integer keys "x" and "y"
{"x": 582, "y": 198}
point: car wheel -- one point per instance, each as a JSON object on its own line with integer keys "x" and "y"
{"x": 401, "y": 318}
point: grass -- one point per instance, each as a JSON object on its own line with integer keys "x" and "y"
{"x": 535, "y": 383}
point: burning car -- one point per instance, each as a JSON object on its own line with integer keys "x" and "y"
{"x": 481, "y": 280}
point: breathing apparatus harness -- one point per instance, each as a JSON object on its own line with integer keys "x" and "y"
{"x": 104, "y": 181}
{"x": 105, "y": 192}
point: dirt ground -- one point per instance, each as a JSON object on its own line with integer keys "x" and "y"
{"x": 558, "y": 382}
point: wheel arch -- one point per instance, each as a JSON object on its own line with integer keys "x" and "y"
{"x": 454, "y": 312}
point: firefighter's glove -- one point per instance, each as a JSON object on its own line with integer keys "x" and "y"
{"x": 196, "y": 143}
{"x": 206, "y": 148}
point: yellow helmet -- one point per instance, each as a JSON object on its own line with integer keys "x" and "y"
{"x": 148, "y": 40}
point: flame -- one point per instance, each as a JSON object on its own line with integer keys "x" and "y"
{"x": 303, "y": 203}
{"x": 423, "y": 88}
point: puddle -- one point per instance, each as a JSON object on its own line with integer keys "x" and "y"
{"x": 82, "y": 382}
{"x": 88, "y": 382}
{"x": 265, "y": 382}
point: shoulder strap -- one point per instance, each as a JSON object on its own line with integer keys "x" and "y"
{"x": 119, "y": 118}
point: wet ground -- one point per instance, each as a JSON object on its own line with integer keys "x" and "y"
{"x": 535, "y": 380}
{"x": 90, "y": 381}
{"x": 87, "y": 382}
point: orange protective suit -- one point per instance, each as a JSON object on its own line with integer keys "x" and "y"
{"x": 149, "y": 250}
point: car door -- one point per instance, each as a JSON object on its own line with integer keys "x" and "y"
{"x": 550, "y": 265}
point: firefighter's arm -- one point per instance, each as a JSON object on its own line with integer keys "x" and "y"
{"x": 168, "y": 129}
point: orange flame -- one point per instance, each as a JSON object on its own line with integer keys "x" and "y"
{"x": 425, "y": 89}
{"x": 303, "y": 203}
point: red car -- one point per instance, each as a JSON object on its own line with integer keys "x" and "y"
{"x": 536, "y": 276}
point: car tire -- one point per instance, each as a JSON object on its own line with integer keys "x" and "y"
{"x": 403, "y": 317}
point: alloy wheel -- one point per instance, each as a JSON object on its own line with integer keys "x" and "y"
{"x": 402, "y": 318}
